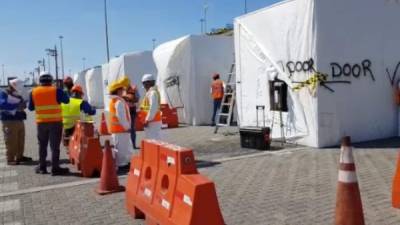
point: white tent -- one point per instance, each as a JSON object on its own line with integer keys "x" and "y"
{"x": 94, "y": 87}
{"x": 185, "y": 67}
{"x": 80, "y": 79}
{"x": 356, "y": 44}
{"x": 133, "y": 65}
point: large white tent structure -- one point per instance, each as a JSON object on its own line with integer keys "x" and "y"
{"x": 347, "y": 55}
{"x": 94, "y": 87}
{"x": 133, "y": 65}
{"x": 80, "y": 79}
{"x": 185, "y": 68}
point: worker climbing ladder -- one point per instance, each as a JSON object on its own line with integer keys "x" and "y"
{"x": 225, "y": 114}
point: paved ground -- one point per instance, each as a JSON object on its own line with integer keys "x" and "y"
{"x": 292, "y": 186}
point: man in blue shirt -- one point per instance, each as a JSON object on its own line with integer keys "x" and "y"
{"x": 12, "y": 116}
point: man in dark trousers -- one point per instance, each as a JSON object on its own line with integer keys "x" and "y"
{"x": 46, "y": 101}
{"x": 217, "y": 93}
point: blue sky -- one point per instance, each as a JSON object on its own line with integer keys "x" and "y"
{"x": 27, "y": 27}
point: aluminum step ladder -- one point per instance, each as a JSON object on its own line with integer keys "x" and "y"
{"x": 225, "y": 114}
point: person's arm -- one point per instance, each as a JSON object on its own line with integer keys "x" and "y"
{"x": 121, "y": 114}
{"x": 4, "y": 105}
{"x": 153, "y": 100}
{"x": 87, "y": 108}
{"x": 31, "y": 104}
{"x": 62, "y": 97}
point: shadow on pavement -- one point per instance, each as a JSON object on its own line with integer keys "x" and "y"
{"x": 205, "y": 164}
{"x": 393, "y": 142}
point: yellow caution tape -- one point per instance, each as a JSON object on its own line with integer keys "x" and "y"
{"x": 312, "y": 82}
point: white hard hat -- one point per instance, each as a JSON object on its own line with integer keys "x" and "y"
{"x": 148, "y": 77}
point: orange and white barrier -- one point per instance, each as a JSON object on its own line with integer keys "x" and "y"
{"x": 165, "y": 187}
{"x": 85, "y": 150}
{"x": 396, "y": 186}
{"x": 349, "y": 209}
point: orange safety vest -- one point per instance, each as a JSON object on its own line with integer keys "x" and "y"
{"x": 46, "y": 105}
{"x": 115, "y": 126}
{"x": 217, "y": 88}
{"x": 145, "y": 108}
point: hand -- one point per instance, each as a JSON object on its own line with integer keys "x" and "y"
{"x": 146, "y": 123}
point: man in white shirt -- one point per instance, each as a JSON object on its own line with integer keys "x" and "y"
{"x": 150, "y": 106}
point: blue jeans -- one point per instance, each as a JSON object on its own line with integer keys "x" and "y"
{"x": 217, "y": 106}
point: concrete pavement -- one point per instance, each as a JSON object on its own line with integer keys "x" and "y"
{"x": 292, "y": 186}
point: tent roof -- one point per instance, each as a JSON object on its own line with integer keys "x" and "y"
{"x": 263, "y": 9}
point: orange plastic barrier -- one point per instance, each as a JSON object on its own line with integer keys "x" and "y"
{"x": 140, "y": 117}
{"x": 164, "y": 186}
{"x": 85, "y": 150}
{"x": 396, "y": 186}
{"x": 108, "y": 180}
{"x": 169, "y": 116}
{"x": 349, "y": 210}
{"x": 103, "y": 125}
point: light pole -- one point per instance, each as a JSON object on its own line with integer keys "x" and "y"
{"x": 106, "y": 30}
{"x": 83, "y": 63}
{"x": 154, "y": 43}
{"x": 4, "y": 76}
{"x": 48, "y": 61}
{"x": 245, "y": 6}
{"x": 62, "y": 55}
{"x": 202, "y": 27}
{"x": 53, "y": 52}
{"x": 205, "y": 7}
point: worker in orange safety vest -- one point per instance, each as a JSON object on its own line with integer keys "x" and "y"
{"x": 120, "y": 123}
{"x": 217, "y": 93}
{"x": 46, "y": 101}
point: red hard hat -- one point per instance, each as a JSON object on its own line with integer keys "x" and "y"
{"x": 77, "y": 88}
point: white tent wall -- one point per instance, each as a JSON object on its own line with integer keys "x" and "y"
{"x": 337, "y": 38}
{"x": 94, "y": 87}
{"x": 362, "y": 35}
{"x": 285, "y": 38}
{"x": 173, "y": 60}
{"x": 133, "y": 65}
{"x": 104, "y": 83}
{"x": 193, "y": 59}
{"x": 80, "y": 79}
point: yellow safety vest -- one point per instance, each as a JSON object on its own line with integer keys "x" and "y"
{"x": 71, "y": 113}
{"x": 145, "y": 106}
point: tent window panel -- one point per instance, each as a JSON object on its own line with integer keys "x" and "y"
{"x": 278, "y": 95}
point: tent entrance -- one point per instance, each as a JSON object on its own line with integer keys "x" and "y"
{"x": 173, "y": 92}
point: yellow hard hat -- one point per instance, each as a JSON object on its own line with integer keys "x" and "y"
{"x": 125, "y": 81}
{"x": 115, "y": 85}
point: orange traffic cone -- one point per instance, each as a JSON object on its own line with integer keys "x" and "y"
{"x": 348, "y": 199}
{"x": 103, "y": 125}
{"x": 396, "y": 186}
{"x": 108, "y": 179}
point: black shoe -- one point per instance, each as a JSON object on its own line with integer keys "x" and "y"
{"x": 12, "y": 163}
{"x": 24, "y": 159}
{"x": 59, "y": 171}
{"x": 39, "y": 170}
{"x": 123, "y": 168}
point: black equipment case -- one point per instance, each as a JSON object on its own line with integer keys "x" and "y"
{"x": 256, "y": 137}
